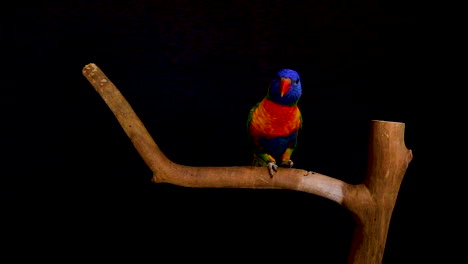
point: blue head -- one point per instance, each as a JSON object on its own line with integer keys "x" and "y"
{"x": 285, "y": 88}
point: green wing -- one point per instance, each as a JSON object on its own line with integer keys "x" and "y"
{"x": 249, "y": 117}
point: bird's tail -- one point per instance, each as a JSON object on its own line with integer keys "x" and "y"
{"x": 258, "y": 162}
{"x": 255, "y": 163}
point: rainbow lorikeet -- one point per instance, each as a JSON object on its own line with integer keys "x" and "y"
{"x": 273, "y": 123}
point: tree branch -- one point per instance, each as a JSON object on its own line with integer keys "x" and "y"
{"x": 371, "y": 202}
{"x": 167, "y": 171}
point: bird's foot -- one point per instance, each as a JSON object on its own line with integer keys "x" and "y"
{"x": 272, "y": 168}
{"x": 287, "y": 163}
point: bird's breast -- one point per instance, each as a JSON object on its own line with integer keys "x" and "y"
{"x": 271, "y": 119}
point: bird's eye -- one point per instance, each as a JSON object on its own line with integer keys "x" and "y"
{"x": 296, "y": 82}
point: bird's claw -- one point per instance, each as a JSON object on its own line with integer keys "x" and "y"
{"x": 287, "y": 163}
{"x": 272, "y": 168}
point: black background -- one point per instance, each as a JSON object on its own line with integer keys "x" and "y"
{"x": 75, "y": 188}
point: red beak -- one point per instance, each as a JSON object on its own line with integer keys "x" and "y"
{"x": 285, "y": 85}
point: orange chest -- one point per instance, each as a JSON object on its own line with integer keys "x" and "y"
{"x": 270, "y": 119}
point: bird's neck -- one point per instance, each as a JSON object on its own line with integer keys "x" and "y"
{"x": 278, "y": 110}
{"x": 291, "y": 98}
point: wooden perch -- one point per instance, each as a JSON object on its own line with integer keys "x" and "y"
{"x": 370, "y": 202}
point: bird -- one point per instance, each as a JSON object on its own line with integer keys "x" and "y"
{"x": 274, "y": 122}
